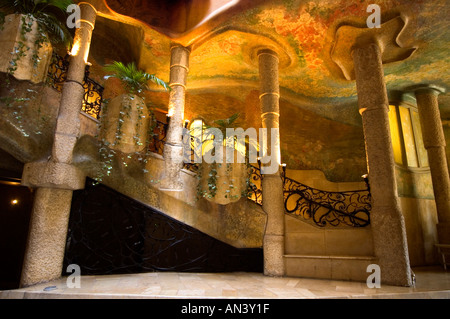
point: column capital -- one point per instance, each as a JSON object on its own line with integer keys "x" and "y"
{"x": 88, "y": 13}
{"x": 348, "y": 39}
{"x": 174, "y": 45}
{"x": 427, "y": 89}
{"x": 267, "y": 51}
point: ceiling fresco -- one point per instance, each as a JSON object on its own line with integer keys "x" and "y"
{"x": 302, "y": 32}
{"x": 224, "y": 36}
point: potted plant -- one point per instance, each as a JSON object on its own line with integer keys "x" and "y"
{"x": 27, "y": 29}
{"x": 125, "y": 118}
{"x": 219, "y": 181}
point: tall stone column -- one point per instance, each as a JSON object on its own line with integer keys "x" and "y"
{"x": 434, "y": 142}
{"x": 56, "y": 178}
{"x": 387, "y": 221}
{"x": 173, "y": 147}
{"x": 272, "y": 185}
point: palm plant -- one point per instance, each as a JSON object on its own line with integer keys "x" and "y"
{"x": 45, "y": 12}
{"x": 135, "y": 81}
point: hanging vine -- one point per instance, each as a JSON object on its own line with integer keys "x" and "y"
{"x": 135, "y": 82}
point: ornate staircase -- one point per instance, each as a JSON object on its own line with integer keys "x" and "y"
{"x": 328, "y": 233}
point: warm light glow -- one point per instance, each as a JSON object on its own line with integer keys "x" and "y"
{"x": 14, "y": 202}
{"x": 171, "y": 110}
{"x": 75, "y": 48}
{"x": 395, "y": 134}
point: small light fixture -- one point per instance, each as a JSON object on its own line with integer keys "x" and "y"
{"x": 14, "y": 202}
{"x": 365, "y": 177}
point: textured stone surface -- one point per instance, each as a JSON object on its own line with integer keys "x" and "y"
{"x": 386, "y": 37}
{"x": 56, "y": 179}
{"x": 272, "y": 185}
{"x": 390, "y": 244}
{"x": 53, "y": 175}
{"x": 133, "y": 112}
{"x": 47, "y": 236}
{"x": 179, "y": 68}
{"x": 434, "y": 142}
{"x": 10, "y": 37}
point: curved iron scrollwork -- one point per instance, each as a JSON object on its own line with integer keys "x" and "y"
{"x": 158, "y": 137}
{"x": 93, "y": 96}
{"x": 93, "y": 91}
{"x": 110, "y": 233}
{"x": 57, "y": 71}
{"x": 351, "y": 208}
{"x": 255, "y": 190}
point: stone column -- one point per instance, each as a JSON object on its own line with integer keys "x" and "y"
{"x": 173, "y": 147}
{"x": 388, "y": 226}
{"x": 434, "y": 142}
{"x": 56, "y": 178}
{"x": 272, "y": 184}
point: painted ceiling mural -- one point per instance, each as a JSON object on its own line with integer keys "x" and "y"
{"x": 222, "y": 60}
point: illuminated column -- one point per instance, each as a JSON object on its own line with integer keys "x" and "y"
{"x": 68, "y": 123}
{"x": 434, "y": 141}
{"x": 56, "y": 178}
{"x": 387, "y": 221}
{"x": 173, "y": 147}
{"x": 272, "y": 185}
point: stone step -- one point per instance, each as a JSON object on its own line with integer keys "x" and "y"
{"x": 329, "y": 267}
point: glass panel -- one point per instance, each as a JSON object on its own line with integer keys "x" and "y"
{"x": 395, "y": 135}
{"x": 408, "y": 136}
{"x": 421, "y": 151}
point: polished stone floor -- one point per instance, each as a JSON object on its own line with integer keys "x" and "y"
{"x": 431, "y": 283}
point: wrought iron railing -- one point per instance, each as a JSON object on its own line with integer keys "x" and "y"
{"x": 158, "y": 137}
{"x": 93, "y": 96}
{"x": 57, "y": 71}
{"x": 255, "y": 190}
{"x": 93, "y": 91}
{"x": 351, "y": 208}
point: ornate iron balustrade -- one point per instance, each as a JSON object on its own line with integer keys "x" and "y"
{"x": 158, "y": 137}
{"x": 351, "y": 208}
{"x": 255, "y": 189}
{"x": 57, "y": 71}
{"x": 93, "y": 91}
{"x": 93, "y": 96}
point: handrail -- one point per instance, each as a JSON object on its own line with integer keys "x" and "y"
{"x": 351, "y": 208}
{"x": 93, "y": 91}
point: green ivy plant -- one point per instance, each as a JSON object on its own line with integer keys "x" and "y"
{"x": 208, "y": 144}
{"x": 135, "y": 83}
{"x": 48, "y": 14}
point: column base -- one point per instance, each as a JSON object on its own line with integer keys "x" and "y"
{"x": 273, "y": 249}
